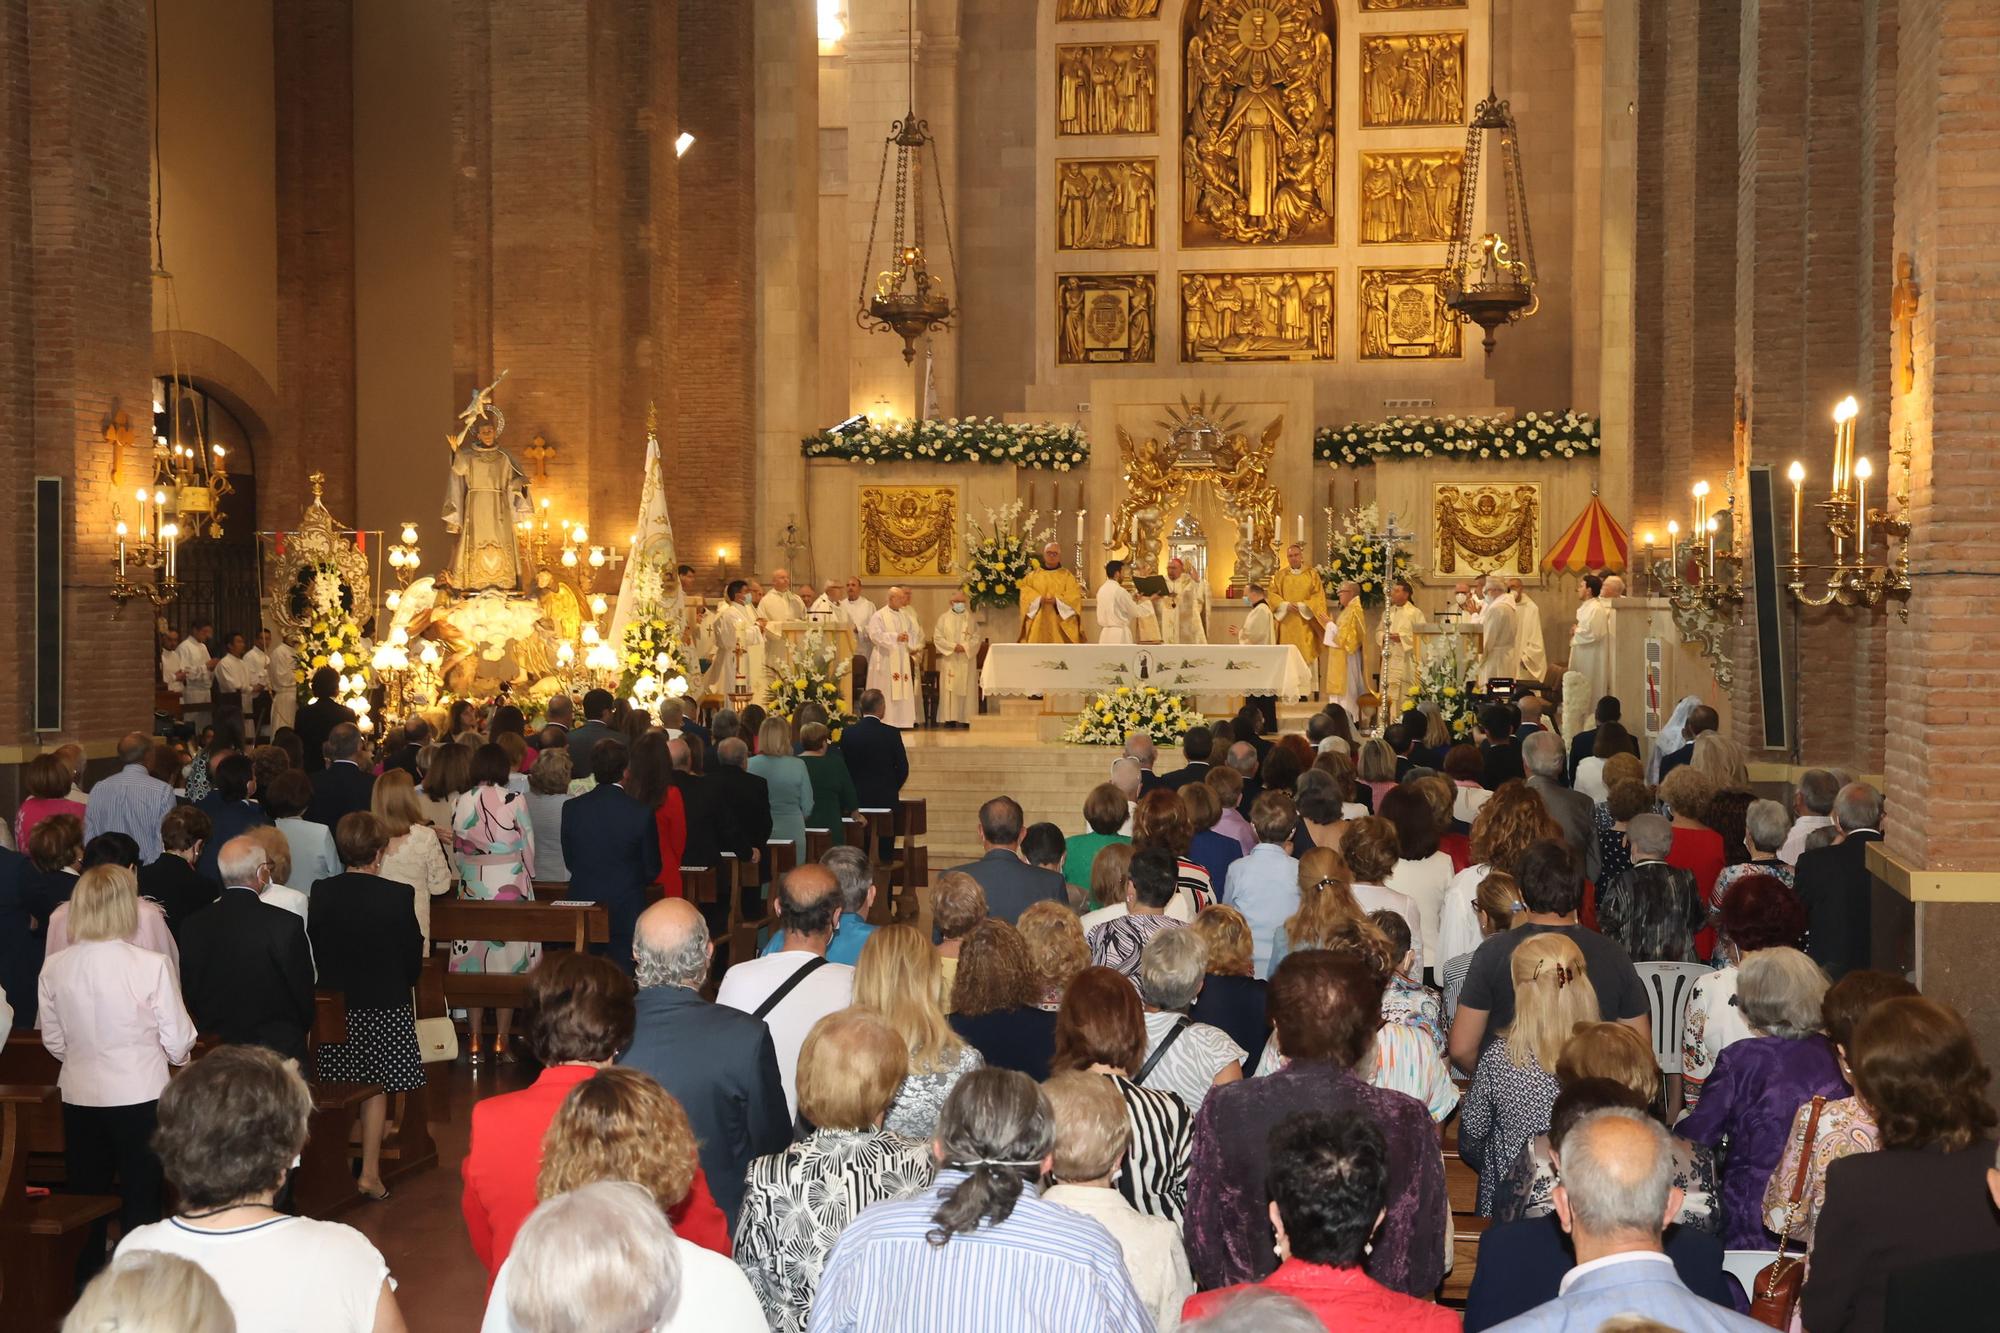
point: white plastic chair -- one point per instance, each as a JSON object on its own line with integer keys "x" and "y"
{"x": 1669, "y": 987}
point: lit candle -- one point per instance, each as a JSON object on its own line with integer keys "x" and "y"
{"x": 1700, "y": 505}
{"x": 1110, "y": 534}
{"x": 1798, "y": 476}
{"x": 121, "y": 548}
{"x": 1863, "y": 470}
{"x": 1843, "y": 442}
{"x": 1713, "y": 526}
{"x": 1299, "y": 528}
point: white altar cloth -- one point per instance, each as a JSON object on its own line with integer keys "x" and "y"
{"x": 1187, "y": 668}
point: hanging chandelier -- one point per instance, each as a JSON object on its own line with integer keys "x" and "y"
{"x": 906, "y": 298}
{"x": 1490, "y": 275}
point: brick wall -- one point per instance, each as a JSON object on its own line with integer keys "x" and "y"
{"x": 1649, "y": 385}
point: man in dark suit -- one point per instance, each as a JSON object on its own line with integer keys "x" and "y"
{"x": 1836, "y": 887}
{"x": 1012, "y": 885}
{"x": 343, "y": 786}
{"x": 598, "y": 706}
{"x": 1196, "y": 746}
{"x": 1542, "y": 756}
{"x": 229, "y": 809}
{"x": 611, "y": 844}
{"x": 875, "y": 755}
{"x": 1500, "y": 751}
{"x": 1242, "y": 757}
{"x": 1249, "y": 728}
{"x": 317, "y": 719}
{"x": 246, "y": 970}
{"x": 1584, "y": 744}
{"x": 1700, "y": 718}
{"x": 556, "y": 723}
{"x": 20, "y": 946}
{"x": 416, "y": 735}
{"x": 742, "y": 805}
{"x": 1139, "y": 748}
{"x": 673, "y": 717}
{"x": 718, "y": 1062}
{"x": 171, "y": 879}
{"x": 697, "y": 806}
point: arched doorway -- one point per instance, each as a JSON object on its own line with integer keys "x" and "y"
{"x": 218, "y": 576}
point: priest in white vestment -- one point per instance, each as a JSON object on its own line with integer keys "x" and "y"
{"x": 779, "y": 606}
{"x": 192, "y": 669}
{"x": 894, "y": 639}
{"x": 284, "y": 686}
{"x": 956, "y": 639}
{"x": 234, "y": 675}
{"x": 1590, "y": 642}
{"x": 1500, "y": 647}
{"x": 1187, "y": 605}
{"x": 1400, "y": 622}
{"x": 824, "y": 607}
{"x": 738, "y": 672}
{"x": 1528, "y": 633}
{"x": 1117, "y": 609}
{"x": 1260, "y": 630}
{"x": 858, "y": 609}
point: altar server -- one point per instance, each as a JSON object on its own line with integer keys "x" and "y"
{"x": 1500, "y": 649}
{"x": 1347, "y": 673}
{"x": 1528, "y": 633}
{"x": 1259, "y": 631}
{"x": 894, "y": 639}
{"x": 1051, "y": 601}
{"x": 283, "y": 677}
{"x": 1186, "y": 609}
{"x": 739, "y": 646}
{"x": 1117, "y": 609}
{"x": 1299, "y": 606}
{"x": 1590, "y": 643}
{"x": 1400, "y": 622}
{"x": 192, "y": 676}
{"x": 956, "y": 639}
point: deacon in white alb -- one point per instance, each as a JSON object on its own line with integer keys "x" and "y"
{"x": 233, "y": 675}
{"x": 1590, "y": 643}
{"x": 1400, "y": 622}
{"x": 1534, "y": 656}
{"x": 192, "y": 669}
{"x": 777, "y": 607}
{"x": 1116, "y": 608}
{"x": 1500, "y": 648}
{"x": 1260, "y": 630}
{"x": 894, "y": 639}
{"x": 1186, "y": 610}
{"x": 736, "y": 629}
{"x": 956, "y": 640}
{"x": 258, "y": 658}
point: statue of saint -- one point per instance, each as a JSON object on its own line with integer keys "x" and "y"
{"x": 486, "y": 499}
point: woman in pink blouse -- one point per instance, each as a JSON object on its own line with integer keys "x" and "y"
{"x": 111, "y": 1012}
{"x": 48, "y": 781}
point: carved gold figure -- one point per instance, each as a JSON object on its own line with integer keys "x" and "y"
{"x": 1257, "y": 124}
{"x": 1413, "y": 78}
{"x": 1385, "y": 6}
{"x": 1487, "y": 529}
{"x": 1284, "y": 315}
{"x": 1105, "y": 318}
{"x": 1107, "y": 89}
{"x": 1403, "y": 316}
{"x": 1410, "y": 198}
{"x": 907, "y": 531}
{"x": 1158, "y": 476}
{"x": 1105, "y": 205}
{"x": 1075, "y": 10}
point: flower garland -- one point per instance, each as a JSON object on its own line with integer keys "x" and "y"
{"x": 1116, "y": 713}
{"x": 329, "y": 639}
{"x": 957, "y": 440}
{"x": 650, "y": 660}
{"x": 1565, "y": 434}
{"x": 813, "y": 678}
{"x": 1357, "y": 555}
{"x": 1441, "y": 681}
{"x": 996, "y": 560}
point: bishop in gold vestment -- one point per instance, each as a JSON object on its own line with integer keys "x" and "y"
{"x": 1347, "y": 673}
{"x": 1051, "y": 602}
{"x": 1298, "y": 600}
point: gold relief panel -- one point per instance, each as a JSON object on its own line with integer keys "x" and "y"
{"x": 1072, "y": 11}
{"x": 1107, "y": 89}
{"x": 1389, "y": 6}
{"x": 1413, "y": 78}
{"x": 908, "y": 531}
{"x": 1105, "y": 205}
{"x": 1279, "y": 315}
{"x": 1257, "y": 124}
{"x": 1404, "y": 317}
{"x": 1105, "y": 318}
{"x": 1410, "y": 198}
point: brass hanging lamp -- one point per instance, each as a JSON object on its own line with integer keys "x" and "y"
{"x": 1490, "y": 276}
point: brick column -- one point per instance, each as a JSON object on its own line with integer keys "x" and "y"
{"x": 314, "y": 60}
{"x": 75, "y": 344}
{"x": 1649, "y": 261}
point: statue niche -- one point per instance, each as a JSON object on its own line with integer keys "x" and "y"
{"x": 1257, "y": 123}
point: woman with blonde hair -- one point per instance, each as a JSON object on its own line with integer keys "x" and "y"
{"x": 897, "y": 977}
{"x": 1329, "y": 915}
{"x": 1514, "y": 1082}
{"x": 448, "y": 777}
{"x": 415, "y": 855}
{"x": 1507, "y": 825}
{"x": 1055, "y": 941}
{"x": 1721, "y": 761}
{"x": 787, "y": 782}
{"x": 1376, "y": 767}
{"x": 957, "y": 905}
{"x": 1499, "y": 905}
{"x": 149, "y": 1291}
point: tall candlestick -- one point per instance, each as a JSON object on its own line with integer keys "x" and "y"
{"x": 1863, "y": 470}
{"x": 1798, "y": 476}
{"x": 1713, "y": 525}
{"x": 1844, "y": 413}
{"x": 1299, "y": 528}
{"x": 1110, "y": 534}
{"x": 1079, "y": 526}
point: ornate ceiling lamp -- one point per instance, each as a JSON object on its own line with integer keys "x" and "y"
{"x": 907, "y": 300}
{"x": 1490, "y": 276}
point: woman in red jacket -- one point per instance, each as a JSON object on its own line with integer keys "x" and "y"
{"x": 650, "y": 780}
{"x": 579, "y": 1015}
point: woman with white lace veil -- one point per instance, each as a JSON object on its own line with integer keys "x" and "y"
{"x": 1670, "y": 737}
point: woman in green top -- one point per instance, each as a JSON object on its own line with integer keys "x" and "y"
{"x": 1105, "y": 811}
{"x": 833, "y": 794}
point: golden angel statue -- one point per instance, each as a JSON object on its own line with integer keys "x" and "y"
{"x": 486, "y": 497}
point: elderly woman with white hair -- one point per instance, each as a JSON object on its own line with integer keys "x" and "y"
{"x": 1766, "y": 825}
{"x": 1759, "y": 1083}
{"x": 1182, "y": 1056}
{"x": 599, "y": 1258}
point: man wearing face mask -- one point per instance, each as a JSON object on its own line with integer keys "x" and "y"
{"x": 739, "y": 646}
{"x": 955, "y": 641}
{"x": 894, "y": 639}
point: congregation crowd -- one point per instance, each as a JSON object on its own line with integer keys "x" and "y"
{"x": 1206, "y": 1058}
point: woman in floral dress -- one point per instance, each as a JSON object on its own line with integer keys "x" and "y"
{"x": 493, "y": 848}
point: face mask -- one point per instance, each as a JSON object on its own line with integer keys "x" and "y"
{"x": 958, "y": 606}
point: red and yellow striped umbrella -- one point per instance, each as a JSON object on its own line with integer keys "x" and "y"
{"x": 1594, "y": 542}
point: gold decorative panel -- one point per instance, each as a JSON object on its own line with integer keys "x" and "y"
{"x": 1413, "y": 78}
{"x": 1257, "y": 123}
{"x": 1107, "y": 89}
{"x": 1280, "y": 315}
{"x": 1388, "y": 6}
{"x": 1106, "y": 205}
{"x": 1410, "y": 198}
{"x": 908, "y": 531}
{"x": 1486, "y": 529}
{"x": 1403, "y": 316}
{"x": 1105, "y": 318}
{"x": 1069, "y": 11}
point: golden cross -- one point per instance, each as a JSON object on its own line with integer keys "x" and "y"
{"x": 541, "y": 451}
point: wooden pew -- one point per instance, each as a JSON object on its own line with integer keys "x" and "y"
{"x": 442, "y": 990}
{"x": 324, "y": 1185}
{"x": 42, "y": 1238}
{"x": 914, "y": 857}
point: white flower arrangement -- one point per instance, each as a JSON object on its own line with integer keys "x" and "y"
{"x": 1357, "y": 555}
{"x": 813, "y": 677}
{"x": 1051, "y": 445}
{"x": 999, "y": 557}
{"x": 652, "y": 665}
{"x": 1441, "y": 680}
{"x": 1123, "y": 709}
{"x": 1564, "y": 434}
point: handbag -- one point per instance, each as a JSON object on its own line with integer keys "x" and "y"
{"x": 437, "y": 1039}
{"x": 1774, "y": 1296}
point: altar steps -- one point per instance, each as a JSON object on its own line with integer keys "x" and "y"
{"x": 956, "y": 773}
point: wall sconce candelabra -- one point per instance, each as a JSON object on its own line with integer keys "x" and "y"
{"x": 152, "y": 552}
{"x": 1852, "y": 579}
{"x": 1701, "y": 577}
{"x": 405, "y": 557}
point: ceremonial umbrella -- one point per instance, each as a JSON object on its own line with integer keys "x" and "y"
{"x": 1593, "y": 542}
